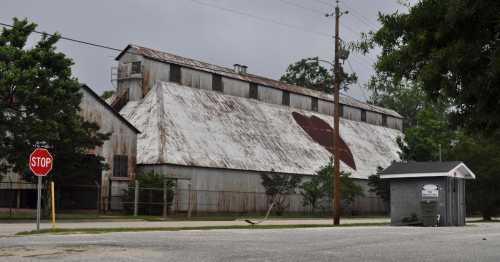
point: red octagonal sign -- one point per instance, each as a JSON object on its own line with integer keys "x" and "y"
{"x": 40, "y": 162}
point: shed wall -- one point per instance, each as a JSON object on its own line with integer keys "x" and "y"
{"x": 406, "y": 199}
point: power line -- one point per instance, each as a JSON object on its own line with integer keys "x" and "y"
{"x": 71, "y": 39}
{"x": 260, "y": 18}
{"x": 359, "y": 16}
{"x": 316, "y": 11}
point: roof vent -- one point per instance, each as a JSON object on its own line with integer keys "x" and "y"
{"x": 240, "y": 69}
{"x": 243, "y": 69}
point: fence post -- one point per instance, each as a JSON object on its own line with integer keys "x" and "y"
{"x": 165, "y": 205}
{"x": 98, "y": 203}
{"x": 136, "y": 198}
{"x": 189, "y": 200}
{"x": 11, "y": 198}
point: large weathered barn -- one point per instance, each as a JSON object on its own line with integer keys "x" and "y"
{"x": 221, "y": 128}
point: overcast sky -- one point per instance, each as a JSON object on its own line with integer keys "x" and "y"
{"x": 266, "y": 35}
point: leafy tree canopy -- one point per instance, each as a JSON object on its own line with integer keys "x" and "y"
{"x": 451, "y": 48}
{"x": 39, "y": 106}
{"x": 430, "y": 135}
{"x": 482, "y": 156}
{"x": 309, "y": 73}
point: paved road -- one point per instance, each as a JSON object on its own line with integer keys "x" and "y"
{"x": 480, "y": 242}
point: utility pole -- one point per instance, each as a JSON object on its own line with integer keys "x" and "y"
{"x": 337, "y": 208}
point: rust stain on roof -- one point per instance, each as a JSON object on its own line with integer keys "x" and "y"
{"x": 322, "y": 133}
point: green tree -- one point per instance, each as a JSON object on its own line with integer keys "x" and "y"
{"x": 482, "y": 156}
{"x": 107, "y": 94}
{"x": 406, "y": 98}
{"x": 39, "y": 106}
{"x": 309, "y": 73}
{"x": 380, "y": 187}
{"x": 278, "y": 187}
{"x": 431, "y": 134}
{"x": 320, "y": 187}
{"x": 452, "y": 49}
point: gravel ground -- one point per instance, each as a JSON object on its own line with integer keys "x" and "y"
{"x": 478, "y": 242}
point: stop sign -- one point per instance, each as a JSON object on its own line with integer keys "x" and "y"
{"x": 40, "y": 162}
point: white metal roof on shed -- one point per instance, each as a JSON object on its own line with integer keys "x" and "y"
{"x": 193, "y": 127}
{"x": 414, "y": 169}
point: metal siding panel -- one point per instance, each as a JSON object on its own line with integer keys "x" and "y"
{"x": 395, "y": 123}
{"x": 235, "y": 87}
{"x": 300, "y": 101}
{"x": 270, "y": 95}
{"x": 352, "y": 113}
{"x": 373, "y": 118}
{"x": 325, "y": 107}
{"x": 196, "y": 79}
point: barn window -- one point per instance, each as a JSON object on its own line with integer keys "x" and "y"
{"x": 175, "y": 73}
{"x": 136, "y": 68}
{"x": 384, "y": 120}
{"x": 120, "y": 166}
{"x": 254, "y": 91}
{"x": 363, "y": 115}
{"x": 217, "y": 83}
{"x": 314, "y": 104}
{"x": 286, "y": 98}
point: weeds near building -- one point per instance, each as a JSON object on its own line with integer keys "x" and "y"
{"x": 278, "y": 187}
{"x": 317, "y": 191}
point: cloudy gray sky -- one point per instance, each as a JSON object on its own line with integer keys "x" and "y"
{"x": 266, "y": 35}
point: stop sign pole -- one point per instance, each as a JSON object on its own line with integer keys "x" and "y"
{"x": 40, "y": 163}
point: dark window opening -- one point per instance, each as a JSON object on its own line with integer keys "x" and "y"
{"x": 285, "y": 98}
{"x": 363, "y": 115}
{"x": 120, "y": 166}
{"x": 254, "y": 91}
{"x": 217, "y": 83}
{"x": 341, "y": 110}
{"x": 314, "y": 104}
{"x": 136, "y": 68}
{"x": 384, "y": 120}
{"x": 175, "y": 73}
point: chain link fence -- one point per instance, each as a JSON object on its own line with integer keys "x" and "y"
{"x": 172, "y": 199}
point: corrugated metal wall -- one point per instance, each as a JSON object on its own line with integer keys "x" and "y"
{"x": 223, "y": 190}
{"x": 123, "y": 140}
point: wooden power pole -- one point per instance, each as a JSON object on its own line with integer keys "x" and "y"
{"x": 337, "y": 209}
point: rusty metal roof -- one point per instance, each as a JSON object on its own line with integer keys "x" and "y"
{"x": 186, "y": 126}
{"x": 230, "y": 73}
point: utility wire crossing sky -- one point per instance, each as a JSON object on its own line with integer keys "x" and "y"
{"x": 266, "y": 35}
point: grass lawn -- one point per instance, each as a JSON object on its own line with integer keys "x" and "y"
{"x": 30, "y": 215}
{"x": 146, "y": 229}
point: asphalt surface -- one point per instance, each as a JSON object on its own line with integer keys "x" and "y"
{"x": 478, "y": 242}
